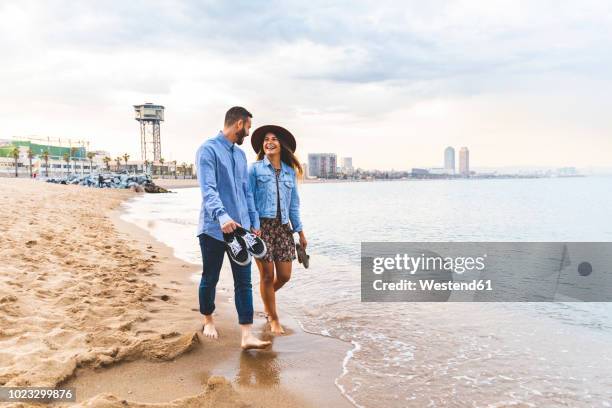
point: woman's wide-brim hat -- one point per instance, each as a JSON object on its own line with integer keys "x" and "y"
{"x": 280, "y": 132}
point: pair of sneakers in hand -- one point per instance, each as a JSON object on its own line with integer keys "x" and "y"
{"x": 241, "y": 244}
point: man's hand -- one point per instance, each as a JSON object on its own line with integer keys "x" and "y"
{"x": 230, "y": 226}
{"x": 256, "y": 231}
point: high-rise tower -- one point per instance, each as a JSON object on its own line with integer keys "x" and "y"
{"x": 449, "y": 160}
{"x": 464, "y": 161}
{"x": 150, "y": 116}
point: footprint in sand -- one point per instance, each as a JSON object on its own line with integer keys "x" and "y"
{"x": 139, "y": 332}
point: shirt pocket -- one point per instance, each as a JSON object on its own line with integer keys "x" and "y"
{"x": 264, "y": 181}
{"x": 287, "y": 188}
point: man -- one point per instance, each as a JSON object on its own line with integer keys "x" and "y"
{"x": 227, "y": 204}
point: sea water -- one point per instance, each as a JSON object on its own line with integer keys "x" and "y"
{"x": 436, "y": 354}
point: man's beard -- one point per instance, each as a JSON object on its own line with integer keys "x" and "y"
{"x": 240, "y": 136}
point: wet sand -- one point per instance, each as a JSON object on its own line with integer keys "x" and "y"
{"x": 170, "y": 183}
{"x": 92, "y": 302}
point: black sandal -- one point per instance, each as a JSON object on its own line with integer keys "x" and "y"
{"x": 303, "y": 257}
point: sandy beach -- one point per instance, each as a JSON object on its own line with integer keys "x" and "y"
{"x": 92, "y": 302}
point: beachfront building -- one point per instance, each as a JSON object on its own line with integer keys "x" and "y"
{"x": 449, "y": 160}
{"x": 347, "y": 165}
{"x": 32, "y": 153}
{"x": 440, "y": 171}
{"x": 464, "y": 162}
{"x": 322, "y": 165}
{"x": 418, "y": 172}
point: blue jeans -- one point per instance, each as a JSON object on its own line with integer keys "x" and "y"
{"x": 213, "y": 252}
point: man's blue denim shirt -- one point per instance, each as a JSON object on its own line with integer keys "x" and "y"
{"x": 224, "y": 184}
{"x": 262, "y": 181}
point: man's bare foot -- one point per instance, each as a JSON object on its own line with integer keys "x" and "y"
{"x": 276, "y": 328}
{"x": 209, "y": 328}
{"x": 251, "y": 342}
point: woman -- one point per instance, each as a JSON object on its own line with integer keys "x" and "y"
{"x": 273, "y": 181}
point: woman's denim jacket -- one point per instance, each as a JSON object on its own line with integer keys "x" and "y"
{"x": 262, "y": 182}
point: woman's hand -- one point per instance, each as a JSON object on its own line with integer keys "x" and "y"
{"x": 256, "y": 231}
{"x": 303, "y": 241}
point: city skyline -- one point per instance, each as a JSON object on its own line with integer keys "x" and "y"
{"x": 343, "y": 164}
{"x": 387, "y": 86}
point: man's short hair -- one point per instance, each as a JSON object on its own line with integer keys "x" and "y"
{"x": 236, "y": 113}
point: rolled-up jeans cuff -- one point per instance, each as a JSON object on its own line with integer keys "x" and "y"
{"x": 245, "y": 319}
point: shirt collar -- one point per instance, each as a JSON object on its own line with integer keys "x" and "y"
{"x": 221, "y": 137}
{"x": 283, "y": 165}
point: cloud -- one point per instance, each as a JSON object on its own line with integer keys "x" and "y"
{"x": 332, "y": 71}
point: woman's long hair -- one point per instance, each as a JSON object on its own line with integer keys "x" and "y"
{"x": 287, "y": 157}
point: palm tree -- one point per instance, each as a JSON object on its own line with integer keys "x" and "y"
{"x": 126, "y": 157}
{"x": 106, "y": 161}
{"x": 146, "y": 165}
{"x": 90, "y": 156}
{"x": 30, "y": 157}
{"x": 118, "y": 161}
{"x": 184, "y": 166}
{"x": 161, "y": 163}
{"x": 45, "y": 156}
{"x": 66, "y": 157}
{"x": 15, "y": 155}
{"x": 174, "y": 162}
{"x": 73, "y": 152}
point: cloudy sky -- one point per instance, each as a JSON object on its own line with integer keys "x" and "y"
{"x": 521, "y": 83}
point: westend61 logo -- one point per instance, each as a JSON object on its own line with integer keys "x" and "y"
{"x": 413, "y": 264}
{"x": 486, "y": 271}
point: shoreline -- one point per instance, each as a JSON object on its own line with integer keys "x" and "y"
{"x": 172, "y": 184}
{"x": 135, "y": 335}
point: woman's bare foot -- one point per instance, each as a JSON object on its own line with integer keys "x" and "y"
{"x": 276, "y": 328}
{"x": 209, "y": 328}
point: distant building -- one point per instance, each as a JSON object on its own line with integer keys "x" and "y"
{"x": 566, "y": 171}
{"x": 440, "y": 171}
{"x": 347, "y": 165}
{"x": 449, "y": 159}
{"x": 322, "y": 165}
{"x": 305, "y": 170}
{"x": 419, "y": 172}
{"x": 464, "y": 161}
{"x": 56, "y": 150}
